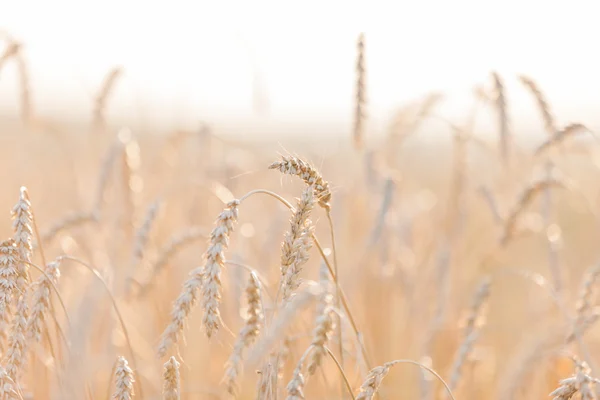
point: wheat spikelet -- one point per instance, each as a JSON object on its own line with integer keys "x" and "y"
{"x": 297, "y": 243}
{"x": 123, "y": 381}
{"x": 22, "y": 226}
{"x": 8, "y": 387}
{"x": 9, "y": 276}
{"x": 361, "y": 98}
{"x": 41, "y": 300}
{"x": 171, "y": 385}
{"x": 542, "y": 103}
{"x": 501, "y": 108}
{"x": 471, "y": 333}
{"x": 207, "y": 278}
{"x": 215, "y": 261}
{"x": 324, "y": 323}
{"x": 15, "y": 356}
{"x": 247, "y": 335}
{"x": 181, "y": 309}
{"x": 294, "y": 166}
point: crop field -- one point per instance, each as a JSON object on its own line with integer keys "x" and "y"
{"x": 188, "y": 264}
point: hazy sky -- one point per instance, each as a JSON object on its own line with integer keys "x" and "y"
{"x": 197, "y": 59}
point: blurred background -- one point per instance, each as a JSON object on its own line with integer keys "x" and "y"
{"x": 270, "y": 68}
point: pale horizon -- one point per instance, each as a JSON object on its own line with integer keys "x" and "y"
{"x": 195, "y": 61}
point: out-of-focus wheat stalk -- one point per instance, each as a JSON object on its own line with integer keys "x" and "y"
{"x": 503, "y": 123}
{"x": 527, "y": 196}
{"x": 360, "y": 101}
{"x": 103, "y": 95}
{"x": 475, "y": 319}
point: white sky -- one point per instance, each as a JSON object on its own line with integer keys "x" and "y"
{"x": 186, "y": 60}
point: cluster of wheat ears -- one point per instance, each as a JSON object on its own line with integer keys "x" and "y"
{"x": 374, "y": 278}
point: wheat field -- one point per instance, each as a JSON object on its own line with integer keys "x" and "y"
{"x": 189, "y": 265}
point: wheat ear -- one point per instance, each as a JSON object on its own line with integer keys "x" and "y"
{"x": 9, "y": 276}
{"x": 247, "y": 336}
{"x": 580, "y": 382}
{"x": 41, "y": 300}
{"x": 123, "y": 381}
{"x": 324, "y": 323}
{"x": 208, "y": 278}
{"x": 294, "y": 166}
{"x": 297, "y": 243}
{"x": 171, "y": 380}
